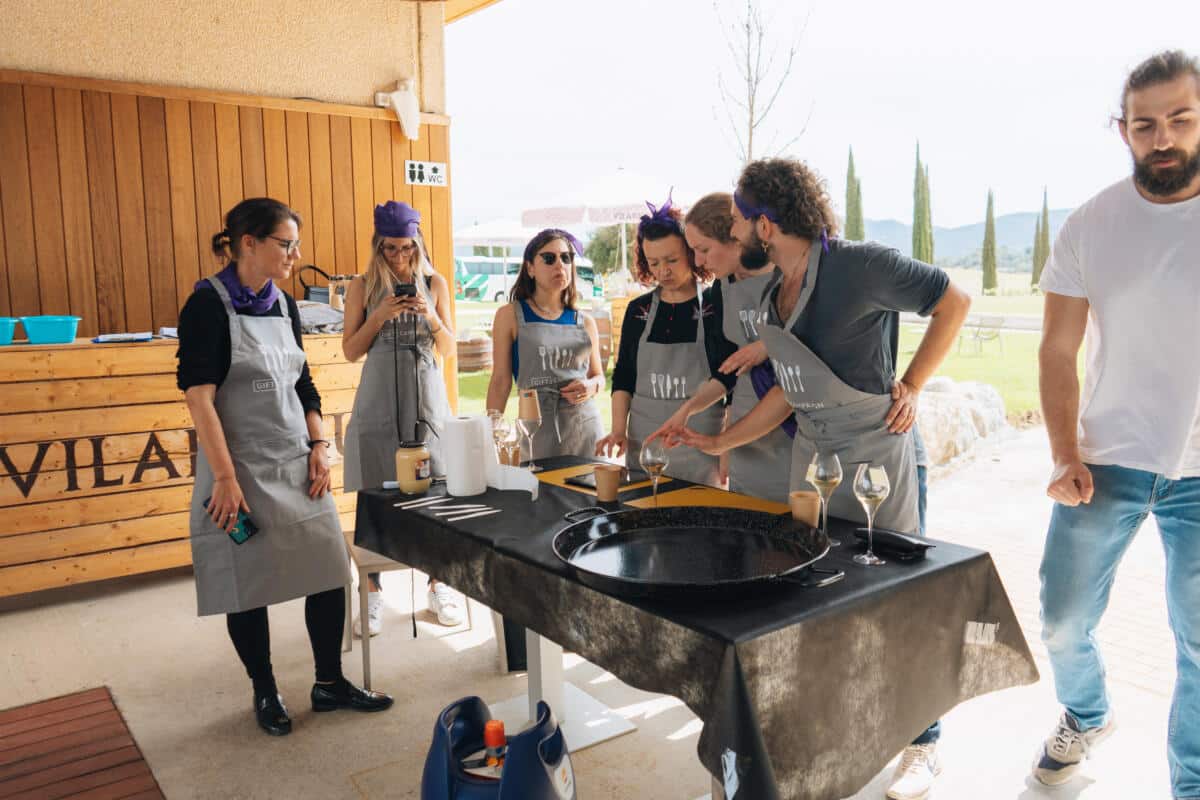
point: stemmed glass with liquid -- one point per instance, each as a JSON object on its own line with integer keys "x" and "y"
{"x": 871, "y": 487}
{"x": 502, "y": 433}
{"x": 653, "y": 459}
{"x": 825, "y": 474}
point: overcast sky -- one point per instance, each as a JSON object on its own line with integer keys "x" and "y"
{"x": 1011, "y": 96}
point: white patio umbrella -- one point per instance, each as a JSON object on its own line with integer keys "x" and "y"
{"x": 616, "y": 198}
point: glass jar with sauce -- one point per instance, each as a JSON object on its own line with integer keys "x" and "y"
{"x": 413, "y": 469}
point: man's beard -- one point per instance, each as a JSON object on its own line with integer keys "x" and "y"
{"x": 1166, "y": 182}
{"x": 754, "y": 255}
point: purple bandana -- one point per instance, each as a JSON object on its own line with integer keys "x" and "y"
{"x": 558, "y": 233}
{"x": 243, "y": 298}
{"x": 762, "y": 378}
{"x": 751, "y": 212}
{"x": 660, "y": 217}
{"x": 397, "y": 220}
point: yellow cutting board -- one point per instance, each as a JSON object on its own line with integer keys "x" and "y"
{"x": 708, "y": 496}
{"x": 558, "y": 477}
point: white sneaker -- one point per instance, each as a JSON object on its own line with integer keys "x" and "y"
{"x": 1063, "y": 752}
{"x": 374, "y": 615}
{"x": 444, "y": 602}
{"x": 914, "y": 775}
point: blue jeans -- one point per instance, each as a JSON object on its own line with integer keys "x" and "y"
{"x": 1083, "y": 548}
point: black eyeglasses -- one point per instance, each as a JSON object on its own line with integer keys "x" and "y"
{"x": 549, "y": 258}
{"x": 289, "y": 245}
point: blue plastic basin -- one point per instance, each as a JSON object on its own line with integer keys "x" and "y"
{"x": 50, "y": 330}
{"x": 7, "y": 326}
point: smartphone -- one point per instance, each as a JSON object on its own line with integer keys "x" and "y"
{"x": 405, "y": 290}
{"x": 243, "y": 529}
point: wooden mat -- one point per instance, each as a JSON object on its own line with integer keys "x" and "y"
{"x": 708, "y": 496}
{"x": 76, "y": 746}
{"x": 558, "y": 477}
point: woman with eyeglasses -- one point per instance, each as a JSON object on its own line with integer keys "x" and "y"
{"x": 397, "y": 315}
{"x": 544, "y": 342}
{"x": 264, "y": 527}
{"x": 671, "y": 346}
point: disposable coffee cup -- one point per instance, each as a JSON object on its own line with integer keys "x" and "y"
{"x": 527, "y": 405}
{"x": 608, "y": 479}
{"x": 806, "y": 507}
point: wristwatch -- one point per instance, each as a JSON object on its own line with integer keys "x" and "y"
{"x": 314, "y": 442}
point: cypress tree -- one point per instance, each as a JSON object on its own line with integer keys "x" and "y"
{"x": 853, "y": 230}
{"x": 1037, "y": 251}
{"x": 860, "y": 224}
{"x": 989, "y": 249}
{"x": 928, "y": 224}
{"x": 918, "y": 231}
{"x": 1043, "y": 239}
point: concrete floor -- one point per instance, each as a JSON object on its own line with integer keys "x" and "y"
{"x": 187, "y": 700}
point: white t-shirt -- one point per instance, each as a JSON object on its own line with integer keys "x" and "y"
{"x": 1138, "y": 265}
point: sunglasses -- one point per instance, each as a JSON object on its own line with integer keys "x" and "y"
{"x": 549, "y": 258}
{"x": 290, "y": 246}
{"x": 391, "y": 249}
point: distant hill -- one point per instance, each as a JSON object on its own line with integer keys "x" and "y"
{"x": 1013, "y": 232}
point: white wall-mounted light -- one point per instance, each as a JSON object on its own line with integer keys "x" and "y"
{"x": 404, "y": 103}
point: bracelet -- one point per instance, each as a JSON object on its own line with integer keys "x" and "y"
{"x": 314, "y": 442}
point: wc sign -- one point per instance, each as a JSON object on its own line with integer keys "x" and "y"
{"x": 425, "y": 173}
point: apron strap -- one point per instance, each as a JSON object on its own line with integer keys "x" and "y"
{"x": 810, "y": 284}
{"x": 235, "y": 324}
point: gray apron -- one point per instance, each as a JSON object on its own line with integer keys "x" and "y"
{"x": 832, "y": 415}
{"x": 388, "y": 382}
{"x": 551, "y": 356}
{"x": 299, "y": 549}
{"x": 668, "y": 374}
{"x": 754, "y": 467}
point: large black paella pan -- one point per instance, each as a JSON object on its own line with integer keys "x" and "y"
{"x": 654, "y": 551}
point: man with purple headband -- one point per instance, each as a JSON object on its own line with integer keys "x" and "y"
{"x": 832, "y": 336}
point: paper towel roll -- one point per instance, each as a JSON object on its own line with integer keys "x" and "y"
{"x": 467, "y": 441}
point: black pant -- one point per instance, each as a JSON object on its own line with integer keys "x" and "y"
{"x": 325, "y": 618}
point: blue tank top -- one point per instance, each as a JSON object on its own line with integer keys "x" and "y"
{"x": 569, "y": 316}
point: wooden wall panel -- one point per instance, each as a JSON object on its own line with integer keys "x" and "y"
{"x": 160, "y": 251}
{"x": 106, "y": 234}
{"x": 97, "y": 458}
{"x": 47, "y": 199}
{"x": 131, "y": 213}
{"x": 77, "y": 212}
{"x": 16, "y": 201}
{"x": 110, "y": 192}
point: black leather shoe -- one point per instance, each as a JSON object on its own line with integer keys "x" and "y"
{"x": 272, "y": 715}
{"x": 332, "y": 696}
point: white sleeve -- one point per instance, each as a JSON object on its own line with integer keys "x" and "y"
{"x": 1063, "y": 274}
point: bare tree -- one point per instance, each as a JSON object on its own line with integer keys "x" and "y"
{"x": 758, "y": 82}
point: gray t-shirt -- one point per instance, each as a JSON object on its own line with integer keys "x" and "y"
{"x": 852, "y": 320}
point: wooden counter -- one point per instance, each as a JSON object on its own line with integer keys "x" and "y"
{"x": 97, "y": 454}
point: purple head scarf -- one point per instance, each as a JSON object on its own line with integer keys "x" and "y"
{"x": 751, "y": 211}
{"x": 660, "y": 217}
{"x": 549, "y": 235}
{"x": 244, "y": 299}
{"x": 398, "y": 220}
{"x": 762, "y": 378}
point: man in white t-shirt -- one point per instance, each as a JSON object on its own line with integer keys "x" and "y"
{"x": 1126, "y": 268}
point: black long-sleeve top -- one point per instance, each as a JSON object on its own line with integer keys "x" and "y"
{"x": 205, "y": 349}
{"x": 675, "y": 323}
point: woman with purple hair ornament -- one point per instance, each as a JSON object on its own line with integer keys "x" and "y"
{"x": 550, "y": 347}
{"x": 671, "y": 345}
{"x": 735, "y": 297}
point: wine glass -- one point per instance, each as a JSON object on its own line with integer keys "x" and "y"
{"x": 871, "y": 487}
{"x": 653, "y": 459}
{"x": 529, "y": 427}
{"x": 501, "y": 427}
{"x": 825, "y": 474}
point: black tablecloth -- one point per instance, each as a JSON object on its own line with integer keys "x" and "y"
{"x": 806, "y": 693}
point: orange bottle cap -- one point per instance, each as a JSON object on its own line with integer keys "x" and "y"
{"x": 493, "y": 733}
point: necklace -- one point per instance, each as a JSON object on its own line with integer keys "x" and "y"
{"x": 543, "y": 313}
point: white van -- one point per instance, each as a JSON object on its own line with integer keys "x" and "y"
{"x": 492, "y": 277}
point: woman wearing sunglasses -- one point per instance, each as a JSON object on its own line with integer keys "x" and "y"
{"x": 264, "y": 527}
{"x": 671, "y": 345}
{"x": 546, "y": 344}
{"x": 397, "y": 316}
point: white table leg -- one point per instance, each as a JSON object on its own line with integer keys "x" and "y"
{"x": 585, "y": 720}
